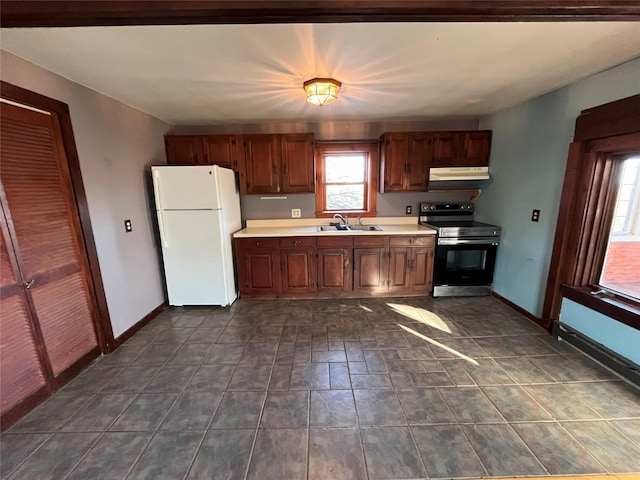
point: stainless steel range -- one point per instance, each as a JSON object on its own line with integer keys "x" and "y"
{"x": 465, "y": 251}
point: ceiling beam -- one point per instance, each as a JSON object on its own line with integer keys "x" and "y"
{"x": 59, "y": 13}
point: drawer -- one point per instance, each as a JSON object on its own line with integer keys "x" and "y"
{"x": 412, "y": 241}
{"x": 258, "y": 242}
{"x": 370, "y": 241}
{"x": 335, "y": 241}
{"x": 298, "y": 242}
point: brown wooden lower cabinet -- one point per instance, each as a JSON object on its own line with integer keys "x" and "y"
{"x": 258, "y": 262}
{"x": 334, "y": 270}
{"x": 335, "y": 266}
{"x": 298, "y": 270}
{"x": 370, "y": 270}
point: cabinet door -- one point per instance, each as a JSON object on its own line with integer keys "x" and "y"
{"x": 258, "y": 263}
{"x": 334, "y": 270}
{"x": 184, "y": 150}
{"x": 394, "y": 161}
{"x": 370, "y": 270}
{"x": 297, "y": 163}
{"x": 262, "y": 163}
{"x": 399, "y": 265}
{"x": 220, "y": 150}
{"x": 477, "y": 146}
{"x": 418, "y": 162}
{"x": 298, "y": 270}
{"x": 421, "y": 270}
{"x": 447, "y": 149}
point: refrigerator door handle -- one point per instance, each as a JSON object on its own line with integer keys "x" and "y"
{"x": 156, "y": 188}
{"x": 163, "y": 238}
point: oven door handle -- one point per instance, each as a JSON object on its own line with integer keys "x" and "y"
{"x": 468, "y": 241}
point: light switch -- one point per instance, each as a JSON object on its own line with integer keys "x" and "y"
{"x": 127, "y": 226}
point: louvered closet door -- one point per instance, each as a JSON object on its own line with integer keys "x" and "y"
{"x": 21, "y": 373}
{"x": 36, "y": 186}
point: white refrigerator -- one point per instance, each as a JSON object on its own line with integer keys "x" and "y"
{"x": 198, "y": 209}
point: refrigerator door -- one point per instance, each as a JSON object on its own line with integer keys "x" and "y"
{"x": 192, "y": 251}
{"x": 231, "y": 222}
{"x": 189, "y": 187}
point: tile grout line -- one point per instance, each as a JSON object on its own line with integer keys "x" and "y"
{"x": 264, "y": 401}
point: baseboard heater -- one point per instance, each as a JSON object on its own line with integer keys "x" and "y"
{"x": 622, "y": 366}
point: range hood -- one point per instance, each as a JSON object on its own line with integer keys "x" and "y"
{"x": 458, "y": 173}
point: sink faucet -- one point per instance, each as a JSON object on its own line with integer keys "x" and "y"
{"x": 345, "y": 219}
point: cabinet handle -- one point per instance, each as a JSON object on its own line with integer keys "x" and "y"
{"x": 296, "y": 242}
{"x": 346, "y": 264}
{"x": 258, "y": 243}
{"x": 411, "y": 240}
{"x": 273, "y": 169}
{"x": 29, "y": 284}
{"x": 355, "y": 265}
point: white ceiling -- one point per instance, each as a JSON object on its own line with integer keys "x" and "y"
{"x": 222, "y": 74}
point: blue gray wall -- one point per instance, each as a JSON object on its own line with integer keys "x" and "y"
{"x": 528, "y": 157}
{"x": 614, "y": 335}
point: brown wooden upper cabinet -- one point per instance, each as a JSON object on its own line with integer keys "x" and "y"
{"x": 223, "y": 150}
{"x": 461, "y": 149}
{"x": 406, "y": 158}
{"x": 279, "y": 163}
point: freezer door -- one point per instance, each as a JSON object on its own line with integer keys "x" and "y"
{"x": 189, "y": 187}
{"x": 193, "y": 252}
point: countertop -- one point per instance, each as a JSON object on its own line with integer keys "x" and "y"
{"x": 309, "y": 227}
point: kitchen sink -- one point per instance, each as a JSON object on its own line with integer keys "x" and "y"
{"x": 364, "y": 228}
{"x": 332, "y": 228}
{"x": 350, "y": 228}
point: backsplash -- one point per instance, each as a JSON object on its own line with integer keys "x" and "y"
{"x": 260, "y": 207}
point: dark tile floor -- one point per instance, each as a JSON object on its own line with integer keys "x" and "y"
{"x": 370, "y": 388}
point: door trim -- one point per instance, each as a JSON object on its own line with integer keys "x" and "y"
{"x": 60, "y": 110}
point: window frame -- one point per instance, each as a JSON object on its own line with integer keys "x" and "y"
{"x": 371, "y": 176}
{"x": 603, "y": 136}
{"x": 602, "y": 228}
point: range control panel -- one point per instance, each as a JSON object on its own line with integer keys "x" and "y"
{"x": 464, "y": 208}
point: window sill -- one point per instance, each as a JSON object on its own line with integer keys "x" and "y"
{"x": 622, "y": 311}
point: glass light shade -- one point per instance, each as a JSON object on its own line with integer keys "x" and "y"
{"x": 322, "y": 91}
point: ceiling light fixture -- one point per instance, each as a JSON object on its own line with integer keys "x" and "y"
{"x": 322, "y": 91}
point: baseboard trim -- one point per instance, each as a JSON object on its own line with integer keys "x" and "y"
{"x": 520, "y": 310}
{"x": 610, "y": 359}
{"x": 136, "y": 328}
{"x": 19, "y": 410}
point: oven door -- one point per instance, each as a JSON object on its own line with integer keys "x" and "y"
{"x": 465, "y": 261}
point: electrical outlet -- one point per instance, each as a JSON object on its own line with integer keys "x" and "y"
{"x": 535, "y": 216}
{"x": 407, "y": 209}
{"x": 296, "y": 213}
{"x": 127, "y": 226}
